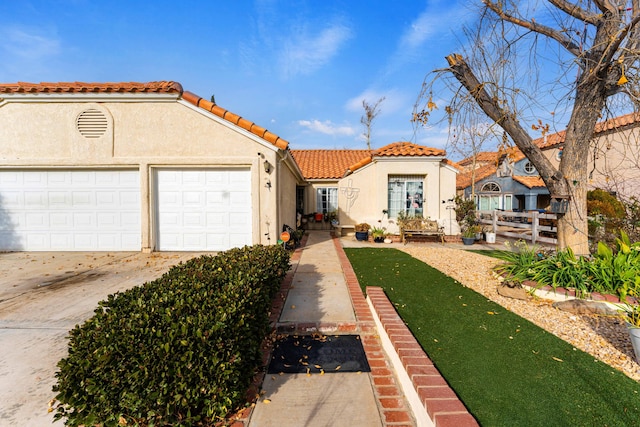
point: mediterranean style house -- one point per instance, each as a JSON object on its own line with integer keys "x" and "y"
{"x": 153, "y": 167}
{"x": 136, "y": 166}
{"x": 508, "y": 181}
{"x": 376, "y": 186}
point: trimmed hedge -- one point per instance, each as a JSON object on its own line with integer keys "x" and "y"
{"x": 181, "y": 350}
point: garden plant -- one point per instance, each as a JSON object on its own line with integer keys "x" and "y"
{"x": 609, "y": 271}
{"x": 180, "y": 350}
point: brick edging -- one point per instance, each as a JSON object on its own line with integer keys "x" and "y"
{"x": 441, "y": 403}
{"x": 391, "y": 401}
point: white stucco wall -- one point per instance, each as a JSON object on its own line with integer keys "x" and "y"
{"x": 369, "y": 187}
{"x": 147, "y": 135}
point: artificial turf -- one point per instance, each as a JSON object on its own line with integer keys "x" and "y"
{"x": 506, "y": 370}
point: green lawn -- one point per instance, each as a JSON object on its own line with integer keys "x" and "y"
{"x": 508, "y": 371}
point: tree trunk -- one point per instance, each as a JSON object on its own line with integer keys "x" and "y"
{"x": 573, "y": 229}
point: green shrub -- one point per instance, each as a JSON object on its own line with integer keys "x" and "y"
{"x": 181, "y": 350}
{"x": 610, "y": 272}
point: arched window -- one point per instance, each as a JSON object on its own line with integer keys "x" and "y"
{"x": 490, "y": 187}
{"x": 490, "y": 198}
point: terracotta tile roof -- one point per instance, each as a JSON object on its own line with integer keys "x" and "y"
{"x": 452, "y": 164}
{"x": 328, "y": 164}
{"x": 463, "y": 180}
{"x": 529, "y": 181}
{"x": 407, "y": 149}
{"x": 335, "y": 164}
{"x": 235, "y": 119}
{"x": 608, "y": 125}
{"x": 481, "y": 157}
{"x": 81, "y": 87}
{"x": 150, "y": 87}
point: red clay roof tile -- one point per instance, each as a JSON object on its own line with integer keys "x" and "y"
{"x": 334, "y": 164}
{"x": 82, "y": 87}
{"x": 529, "y": 181}
{"x": 150, "y": 87}
{"x": 327, "y": 164}
{"x": 463, "y": 180}
{"x": 407, "y": 149}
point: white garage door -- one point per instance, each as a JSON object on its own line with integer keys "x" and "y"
{"x": 69, "y": 210}
{"x": 203, "y": 209}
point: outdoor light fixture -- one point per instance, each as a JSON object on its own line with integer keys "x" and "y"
{"x": 267, "y": 166}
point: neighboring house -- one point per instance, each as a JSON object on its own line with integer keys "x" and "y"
{"x": 509, "y": 181}
{"x": 375, "y": 186}
{"x": 136, "y": 166}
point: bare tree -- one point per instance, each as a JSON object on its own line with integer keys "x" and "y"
{"x": 371, "y": 111}
{"x": 588, "y": 50}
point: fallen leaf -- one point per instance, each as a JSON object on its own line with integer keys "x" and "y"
{"x": 267, "y": 401}
{"x": 557, "y": 360}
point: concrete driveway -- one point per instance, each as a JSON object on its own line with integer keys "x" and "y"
{"x": 43, "y": 295}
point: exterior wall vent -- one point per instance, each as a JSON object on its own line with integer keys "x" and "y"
{"x": 92, "y": 123}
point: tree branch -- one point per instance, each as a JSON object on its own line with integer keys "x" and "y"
{"x": 575, "y": 11}
{"x": 564, "y": 41}
{"x": 605, "y": 6}
{"x": 490, "y": 105}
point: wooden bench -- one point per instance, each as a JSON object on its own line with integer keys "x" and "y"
{"x": 345, "y": 230}
{"x": 421, "y": 227}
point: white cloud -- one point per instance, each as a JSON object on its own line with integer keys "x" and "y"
{"x": 304, "y": 53}
{"x": 327, "y": 127}
{"x": 419, "y": 31}
{"x": 26, "y": 52}
{"x": 28, "y": 44}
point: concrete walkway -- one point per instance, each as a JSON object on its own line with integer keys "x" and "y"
{"x": 320, "y": 300}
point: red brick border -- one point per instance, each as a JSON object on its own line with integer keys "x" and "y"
{"x": 442, "y": 404}
{"x": 391, "y": 401}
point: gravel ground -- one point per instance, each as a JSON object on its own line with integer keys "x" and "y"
{"x": 606, "y": 338}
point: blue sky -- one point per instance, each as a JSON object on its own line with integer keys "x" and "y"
{"x": 299, "y": 68}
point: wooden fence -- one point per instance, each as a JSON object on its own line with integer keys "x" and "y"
{"x": 532, "y": 225}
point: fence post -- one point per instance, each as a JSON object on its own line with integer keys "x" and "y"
{"x": 534, "y": 227}
{"x": 494, "y": 221}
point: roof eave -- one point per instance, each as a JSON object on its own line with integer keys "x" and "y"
{"x": 89, "y": 97}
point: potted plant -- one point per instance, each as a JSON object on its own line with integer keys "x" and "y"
{"x": 378, "y": 234}
{"x": 469, "y": 236}
{"x": 631, "y": 315}
{"x": 490, "y": 236}
{"x": 362, "y": 231}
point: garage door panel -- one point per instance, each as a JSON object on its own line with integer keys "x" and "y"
{"x": 65, "y": 209}
{"x": 82, "y": 199}
{"x": 195, "y": 209}
{"x": 217, "y": 220}
{"x": 37, "y": 220}
{"x": 239, "y": 219}
{"x": 193, "y": 220}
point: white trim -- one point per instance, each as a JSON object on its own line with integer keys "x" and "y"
{"x": 451, "y": 168}
{"x": 229, "y": 125}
